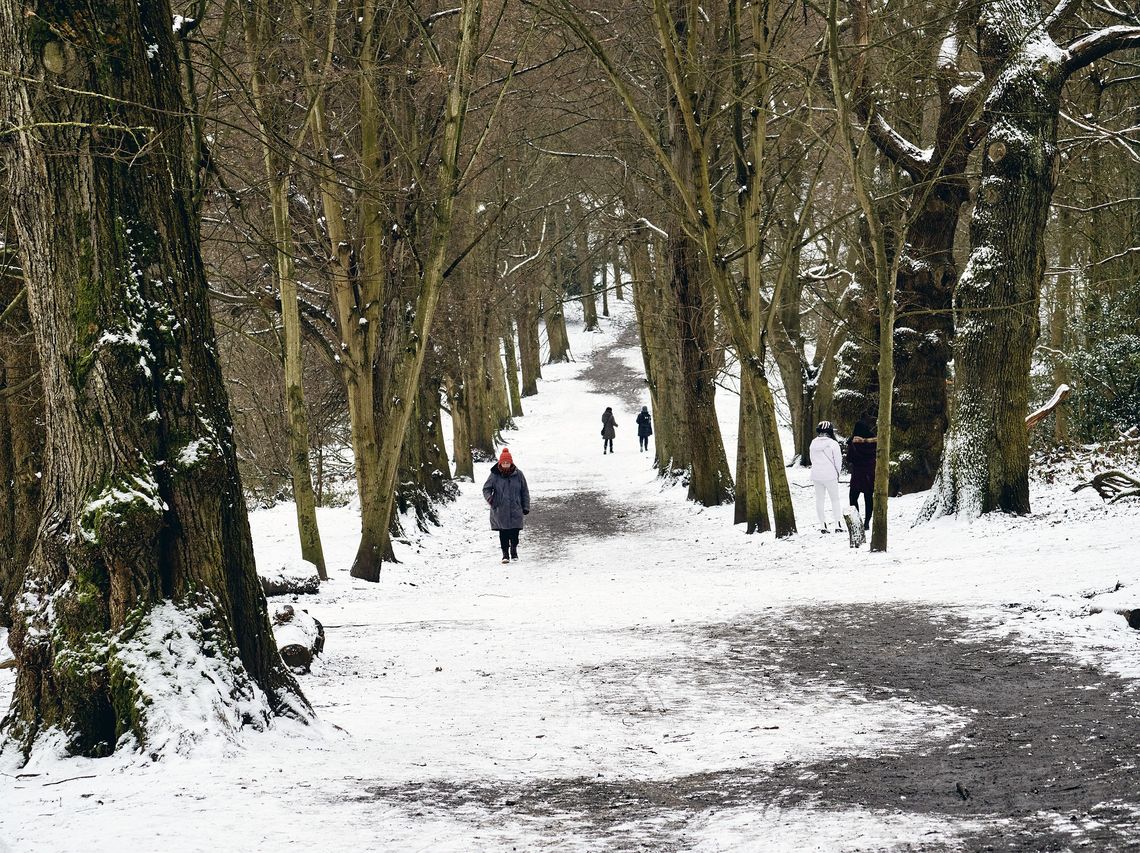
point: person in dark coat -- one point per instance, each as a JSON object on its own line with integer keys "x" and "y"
{"x": 861, "y": 448}
{"x": 644, "y": 427}
{"x": 608, "y": 427}
{"x": 507, "y": 494}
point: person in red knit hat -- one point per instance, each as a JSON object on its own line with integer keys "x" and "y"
{"x": 507, "y": 494}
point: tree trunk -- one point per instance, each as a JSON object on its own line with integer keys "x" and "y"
{"x": 480, "y": 426}
{"x": 710, "y": 482}
{"x": 657, "y": 325}
{"x": 1060, "y": 317}
{"x": 605, "y": 286}
{"x": 512, "y": 371}
{"x": 425, "y": 479}
{"x": 584, "y": 265}
{"x": 295, "y": 416}
{"x": 986, "y": 464}
{"x": 496, "y": 377}
{"x": 619, "y": 287}
{"x": 144, "y": 528}
{"x": 529, "y": 348}
{"x": 751, "y": 487}
{"x": 460, "y": 435}
{"x": 556, "y": 336}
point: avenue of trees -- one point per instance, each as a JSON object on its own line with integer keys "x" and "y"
{"x": 254, "y": 250}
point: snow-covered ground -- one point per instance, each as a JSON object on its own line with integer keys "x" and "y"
{"x": 648, "y": 677}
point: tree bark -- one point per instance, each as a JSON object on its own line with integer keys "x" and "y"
{"x": 1060, "y": 316}
{"x": 751, "y": 497}
{"x": 530, "y": 357}
{"x": 21, "y": 436}
{"x": 460, "y": 434}
{"x": 986, "y": 464}
{"x": 710, "y": 482}
{"x": 925, "y": 281}
{"x": 619, "y": 285}
{"x": 605, "y": 285}
{"x": 556, "y": 336}
{"x": 143, "y": 510}
{"x": 658, "y": 326}
{"x": 512, "y": 370}
{"x": 584, "y": 265}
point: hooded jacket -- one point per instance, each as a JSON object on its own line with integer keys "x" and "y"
{"x": 644, "y": 424}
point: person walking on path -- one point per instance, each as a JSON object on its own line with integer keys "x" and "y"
{"x": 644, "y": 427}
{"x": 608, "y": 427}
{"x": 826, "y": 463}
{"x": 861, "y": 449}
{"x": 507, "y": 494}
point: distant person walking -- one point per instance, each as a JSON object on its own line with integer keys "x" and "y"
{"x": 609, "y": 425}
{"x": 861, "y": 449}
{"x": 507, "y": 494}
{"x": 826, "y": 463}
{"x": 644, "y": 427}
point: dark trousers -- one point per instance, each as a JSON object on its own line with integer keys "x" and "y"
{"x": 607, "y": 444}
{"x": 644, "y": 439}
{"x": 868, "y": 502}
{"x": 509, "y": 542}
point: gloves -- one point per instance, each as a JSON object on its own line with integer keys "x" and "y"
{"x": 526, "y": 512}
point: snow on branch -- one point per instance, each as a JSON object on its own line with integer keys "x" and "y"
{"x": 905, "y": 154}
{"x": 1090, "y": 48}
{"x": 1061, "y": 13}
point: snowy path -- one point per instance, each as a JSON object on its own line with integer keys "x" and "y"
{"x": 649, "y": 678}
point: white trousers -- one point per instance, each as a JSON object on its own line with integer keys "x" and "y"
{"x": 832, "y": 489}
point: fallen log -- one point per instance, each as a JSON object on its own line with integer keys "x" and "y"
{"x": 296, "y": 577}
{"x": 299, "y": 636}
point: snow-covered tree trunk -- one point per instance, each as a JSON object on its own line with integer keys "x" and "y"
{"x": 986, "y": 462}
{"x": 141, "y": 589}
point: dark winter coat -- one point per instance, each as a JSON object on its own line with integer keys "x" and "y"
{"x": 861, "y": 461}
{"x": 509, "y": 498}
{"x": 644, "y": 425}
{"x": 608, "y": 425}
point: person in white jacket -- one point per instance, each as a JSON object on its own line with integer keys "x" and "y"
{"x": 826, "y": 463}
